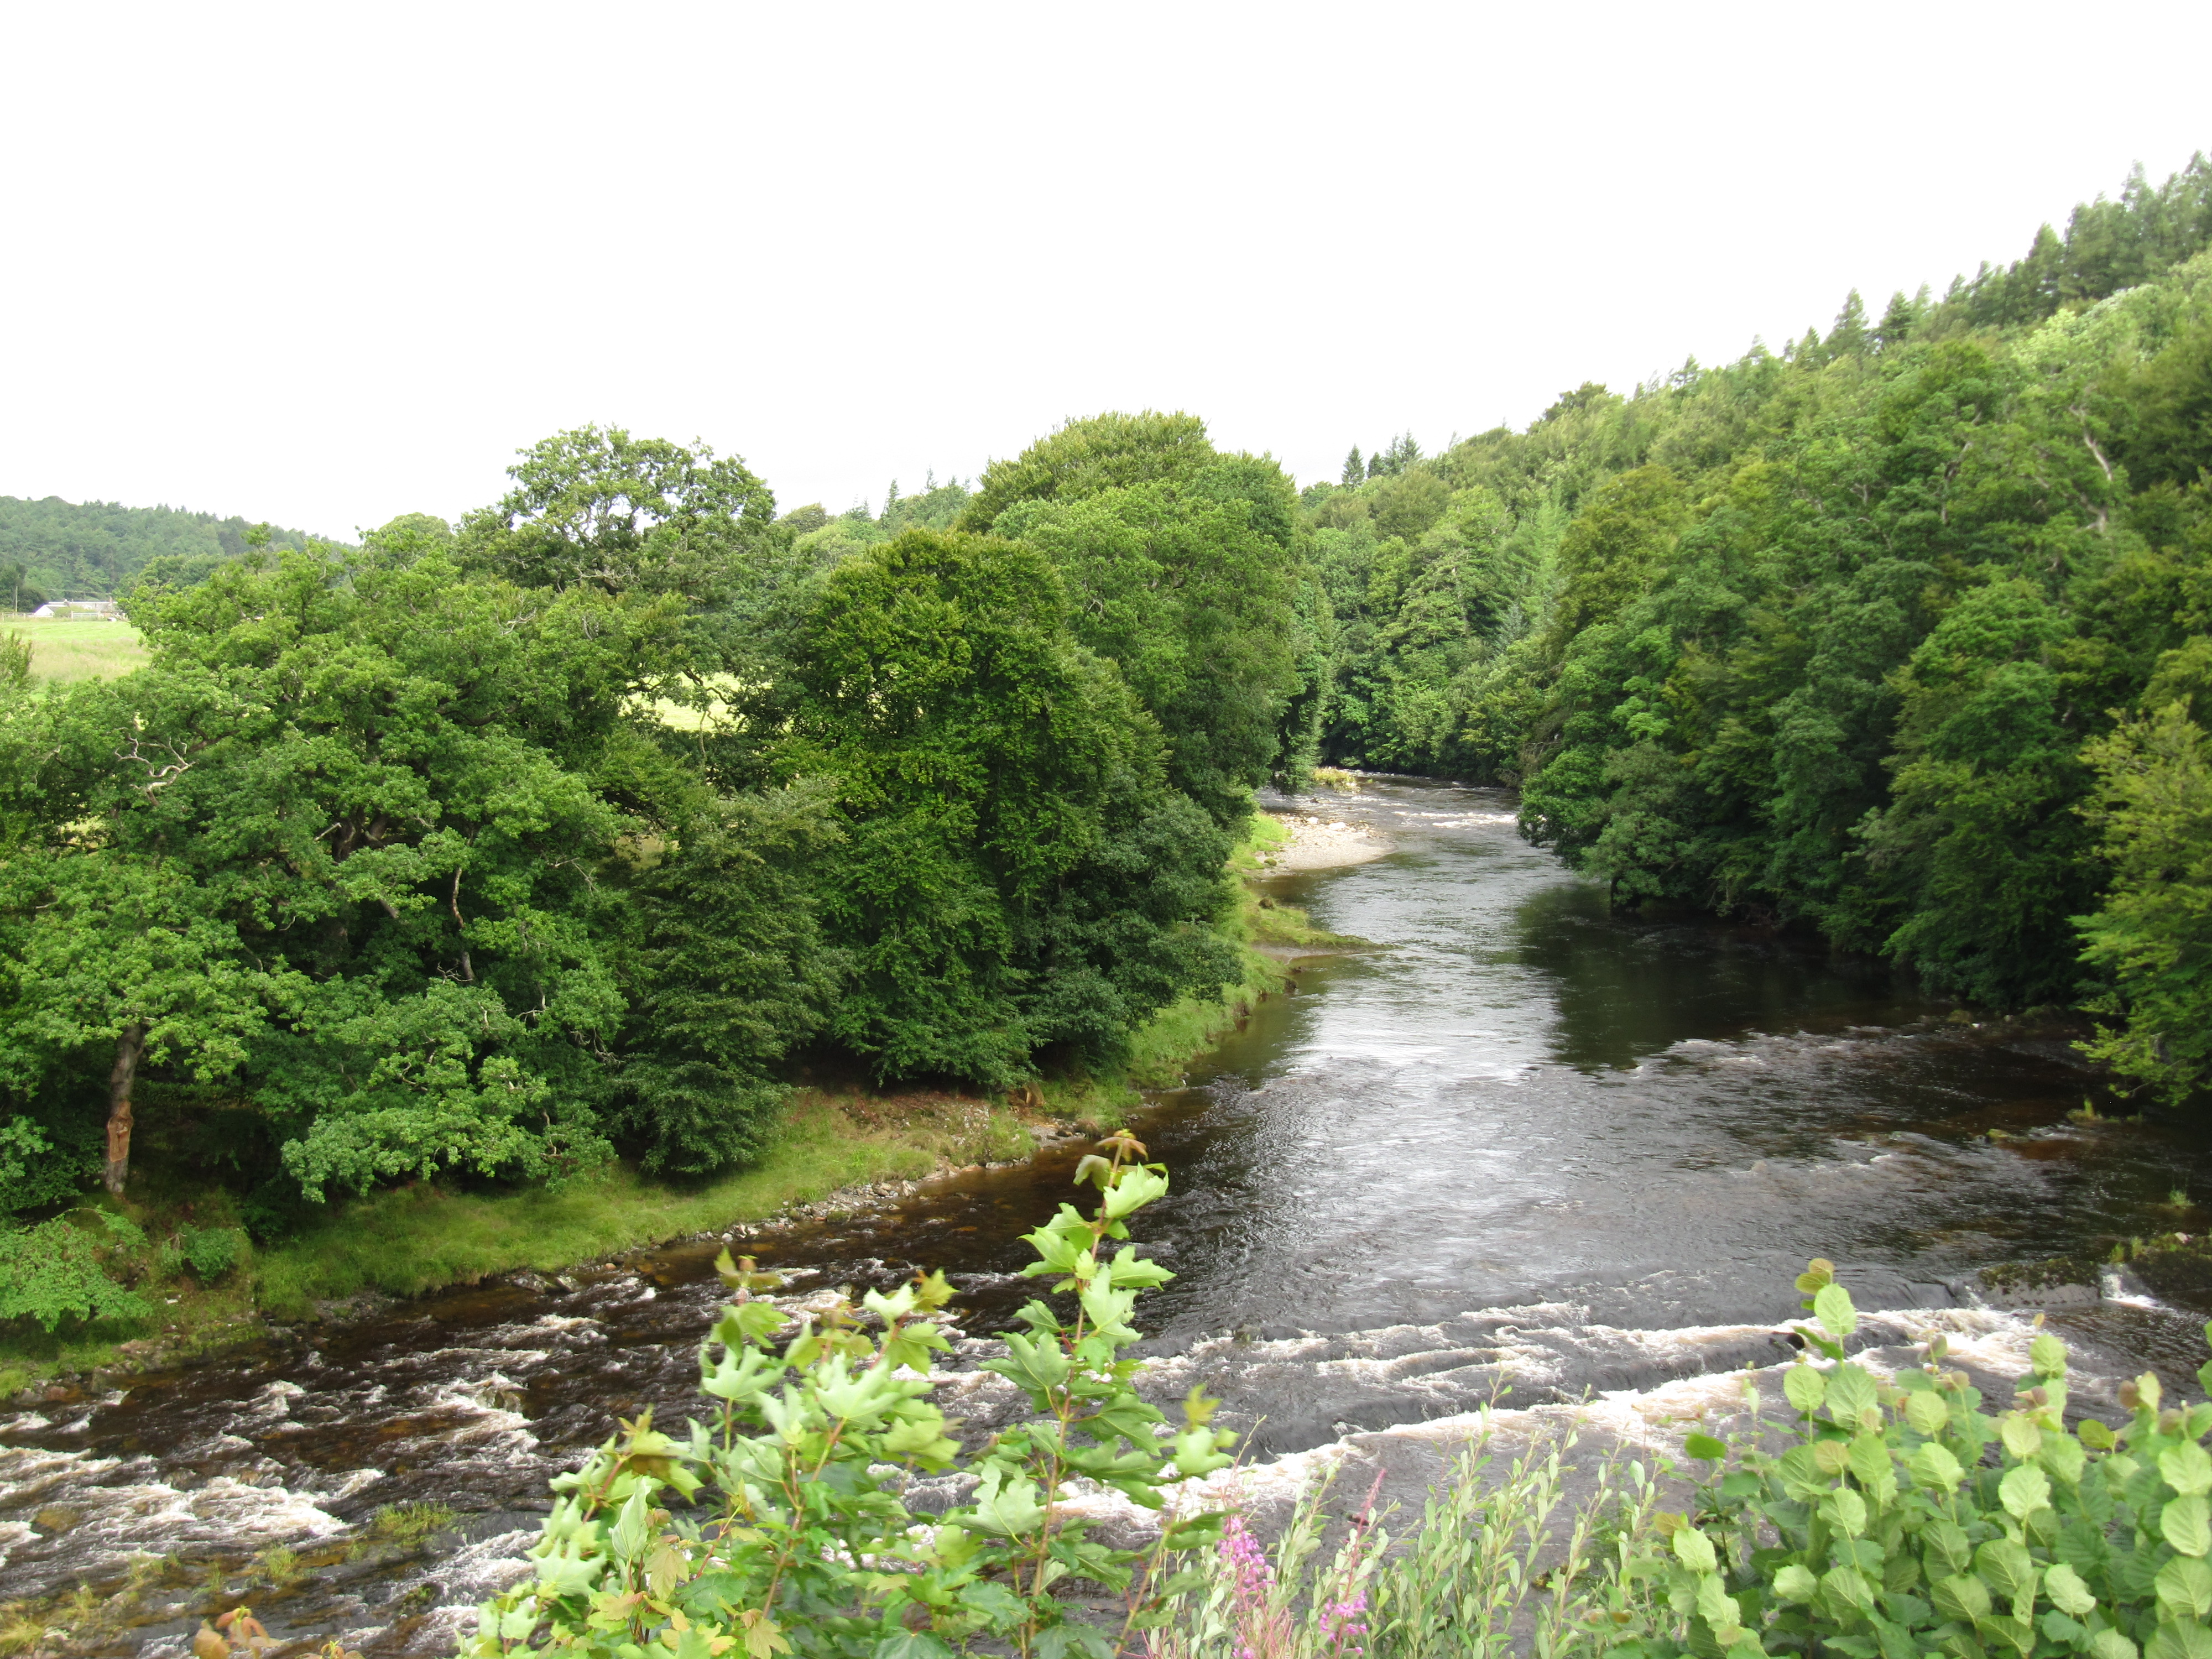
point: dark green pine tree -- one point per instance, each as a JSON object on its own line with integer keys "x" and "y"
{"x": 1900, "y": 319}
{"x": 1848, "y": 338}
{"x": 1355, "y": 470}
{"x": 890, "y": 506}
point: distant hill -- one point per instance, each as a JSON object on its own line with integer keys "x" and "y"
{"x": 52, "y": 548}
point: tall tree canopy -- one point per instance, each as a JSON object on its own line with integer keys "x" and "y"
{"x": 1016, "y": 874}
{"x": 1888, "y": 633}
{"x": 1182, "y": 567}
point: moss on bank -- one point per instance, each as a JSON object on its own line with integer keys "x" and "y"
{"x": 418, "y": 1238}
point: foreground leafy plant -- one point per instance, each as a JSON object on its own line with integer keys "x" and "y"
{"x": 1907, "y": 1520}
{"x": 782, "y": 1526}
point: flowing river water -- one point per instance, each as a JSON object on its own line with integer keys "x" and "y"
{"x": 1523, "y": 1148}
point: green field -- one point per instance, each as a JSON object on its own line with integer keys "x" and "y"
{"x": 68, "y": 648}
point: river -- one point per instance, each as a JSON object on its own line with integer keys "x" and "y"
{"x": 1521, "y": 1145}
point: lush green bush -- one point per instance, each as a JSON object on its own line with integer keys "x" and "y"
{"x": 1904, "y": 1520}
{"x": 779, "y": 1523}
{"x": 210, "y": 1252}
{"x": 53, "y": 1272}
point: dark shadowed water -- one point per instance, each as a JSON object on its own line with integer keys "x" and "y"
{"x": 1544, "y": 1145}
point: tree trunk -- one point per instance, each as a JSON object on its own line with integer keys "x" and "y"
{"x": 129, "y": 1045}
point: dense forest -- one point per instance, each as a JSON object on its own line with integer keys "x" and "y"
{"x": 56, "y": 549}
{"x": 1898, "y": 633}
{"x": 497, "y": 849}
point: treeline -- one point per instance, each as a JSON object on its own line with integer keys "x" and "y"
{"x": 497, "y": 848}
{"x": 503, "y": 847}
{"x": 1901, "y": 633}
{"x": 52, "y": 549}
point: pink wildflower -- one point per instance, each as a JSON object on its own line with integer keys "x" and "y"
{"x": 1257, "y": 1633}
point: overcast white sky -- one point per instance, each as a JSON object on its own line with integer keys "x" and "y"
{"x": 325, "y": 263}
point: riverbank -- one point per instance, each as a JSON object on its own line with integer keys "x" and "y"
{"x": 834, "y": 1146}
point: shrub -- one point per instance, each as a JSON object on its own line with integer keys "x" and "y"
{"x": 1905, "y": 1520}
{"x": 51, "y": 1273}
{"x": 781, "y": 1524}
{"x": 210, "y": 1252}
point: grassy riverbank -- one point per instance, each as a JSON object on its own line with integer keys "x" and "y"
{"x": 425, "y": 1236}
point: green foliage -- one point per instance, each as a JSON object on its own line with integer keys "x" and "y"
{"x": 2154, "y": 932}
{"x": 54, "y": 548}
{"x": 53, "y": 1272}
{"x": 210, "y": 1252}
{"x": 1086, "y": 457}
{"x": 1181, "y": 568}
{"x": 2108, "y": 245}
{"x": 1839, "y": 635}
{"x": 1905, "y": 1519}
{"x": 1016, "y": 871}
{"x": 596, "y": 506}
{"x": 34, "y": 1172}
{"x": 779, "y": 1524}
{"x": 730, "y": 974}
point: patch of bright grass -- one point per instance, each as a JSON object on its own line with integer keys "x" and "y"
{"x": 64, "y": 649}
{"x": 417, "y": 1238}
{"x": 410, "y": 1523}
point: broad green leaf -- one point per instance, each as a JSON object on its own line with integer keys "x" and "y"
{"x": 1960, "y": 1597}
{"x": 2067, "y": 1591}
{"x": 1934, "y": 1466}
{"x": 912, "y": 1644}
{"x": 1795, "y": 1584}
{"x": 2179, "y": 1638}
{"x": 2021, "y": 1437}
{"x": 1950, "y": 1544}
{"x": 1715, "y": 1606}
{"x": 994, "y": 1603}
{"x": 1704, "y": 1447}
{"x": 1138, "y": 1187}
{"x": 2186, "y": 1469}
{"x": 1846, "y": 1511}
{"x": 2047, "y": 1354}
{"x": 1926, "y": 1412}
{"x": 1131, "y": 1271}
{"x": 1059, "y": 1641}
{"x": 2110, "y": 1644}
{"x": 2185, "y": 1525}
{"x": 1694, "y": 1550}
{"x": 1870, "y": 1465}
{"x": 2016, "y": 1631}
{"x": 2024, "y": 1490}
{"x": 1847, "y": 1587}
{"x": 1851, "y": 1391}
{"x": 2185, "y": 1587}
{"x": 1831, "y": 1306}
{"x": 2008, "y": 1571}
{"x": 1805, "y": 1386}
{"x": 2063, "y": 1456}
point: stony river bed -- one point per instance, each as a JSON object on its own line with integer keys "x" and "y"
{"x": 1524, "y": 1152}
